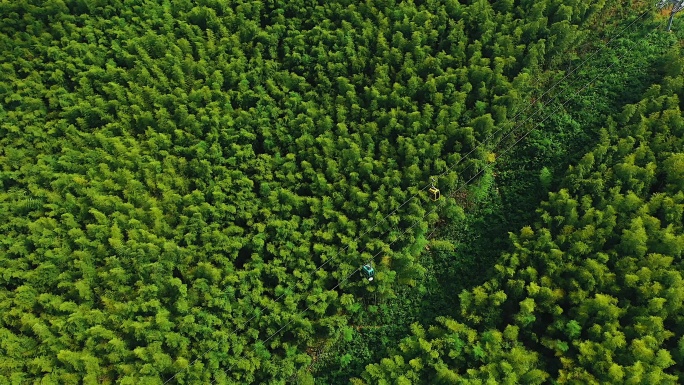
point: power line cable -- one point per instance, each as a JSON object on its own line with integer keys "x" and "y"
{"x": 547, "y": 91}
{"x": 553, "y": 113}
{"x": 449, "y": 168}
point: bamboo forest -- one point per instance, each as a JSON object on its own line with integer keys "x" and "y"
{"x": 365, "y": 192}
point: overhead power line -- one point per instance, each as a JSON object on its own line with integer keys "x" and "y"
{"x": 441, "y": 202}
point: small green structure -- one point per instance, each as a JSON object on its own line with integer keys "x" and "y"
{"x": 368, "y": 272}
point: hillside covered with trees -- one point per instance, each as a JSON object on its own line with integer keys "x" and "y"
{"x": 188, "y": 190}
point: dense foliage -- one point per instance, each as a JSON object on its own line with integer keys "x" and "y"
{"x": 173, "y": 173}
{"x": 593, "y": 292}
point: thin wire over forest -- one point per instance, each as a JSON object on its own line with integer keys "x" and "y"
{"x": 178, "y": 180}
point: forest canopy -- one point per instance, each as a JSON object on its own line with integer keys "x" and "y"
{"x": 188, "y": 189}
{"x": 593, "y": 291}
